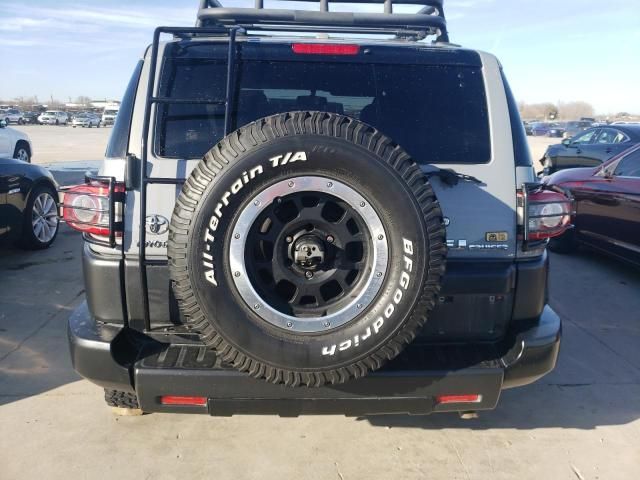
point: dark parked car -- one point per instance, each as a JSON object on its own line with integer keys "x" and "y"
{"x": 607, "y": 206}
{"x": 547, "y": 129}
{"x": 28, "y": 204}
{"x": 590, "y": 148}
{"x": 31, "y": 118}
{"x": 572, "y": 129}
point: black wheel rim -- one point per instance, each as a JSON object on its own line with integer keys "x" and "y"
{"x": 307, "y": 253}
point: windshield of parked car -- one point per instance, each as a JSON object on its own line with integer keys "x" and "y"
{"x": 437, "y": 113}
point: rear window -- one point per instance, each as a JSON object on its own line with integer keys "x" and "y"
{"x": 437, "y": 113}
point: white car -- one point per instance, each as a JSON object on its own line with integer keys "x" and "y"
{"x": 109, "y": 116}
{"x": 54, "y": 117}
{"x": 14, "y": 143}
{"x": 86, "y": 120}
{"x": 12, "y": 115}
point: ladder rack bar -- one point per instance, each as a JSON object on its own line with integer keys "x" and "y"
{"x": 164, "y": 181}
{"x": 231, "y": 62}
{"x": 143, "y": 177}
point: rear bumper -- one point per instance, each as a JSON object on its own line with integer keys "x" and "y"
{"x": 123, "y": 359}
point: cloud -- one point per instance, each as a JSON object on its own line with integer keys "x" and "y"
{"x": 67, "y": 16}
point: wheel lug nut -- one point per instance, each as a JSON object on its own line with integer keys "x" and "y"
{"x": 362, "y": 204}
{"x": 256, "y": 306}
{"x": 236, "y": 236}
{"x": 327, "y": 324}
{"x": 330, "y": 238}
{"x": 359, "y": 306}
{"x": 289, "y": 324}
{"x": 236, "y": 274}
{"x": 289, "y": 239}
{"x": 329, "y": 184}
{"x": 379, "y": 274}
{"x": 256, "y": 203}
{"x": 291, "y": 184}
{"x": 380, "y": 237}
{"x": 308, "y": 274}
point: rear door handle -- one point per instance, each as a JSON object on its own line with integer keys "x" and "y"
{"x": 578, "y": 151}
{"x": 608, "y": 150}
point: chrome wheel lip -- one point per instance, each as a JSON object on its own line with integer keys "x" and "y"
{"x": 44, "y": 217}
{"x": 366, "y": 294}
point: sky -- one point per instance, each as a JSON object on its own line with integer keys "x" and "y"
{"x": 551, "y": 50}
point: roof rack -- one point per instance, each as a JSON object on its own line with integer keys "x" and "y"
{"x": 429, "y": 20}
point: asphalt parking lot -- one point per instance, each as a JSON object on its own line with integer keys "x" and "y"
{"x": 581, "y": 422}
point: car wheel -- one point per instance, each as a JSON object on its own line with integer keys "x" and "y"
{"x": 22, "y": 153}
{"x": 296, "y": 270}
{"x": 40, "y": 218}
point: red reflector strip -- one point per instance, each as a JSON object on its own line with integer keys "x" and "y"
{"x": 325, "y": 49}
{"x": 177, "y": 400}
{"x": 473, "y": 398}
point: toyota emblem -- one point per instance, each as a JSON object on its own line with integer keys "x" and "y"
{"x": 157, "y": 224}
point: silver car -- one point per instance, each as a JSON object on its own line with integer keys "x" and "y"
{"x": 86, "y": 120}
{"x": 12, "y": 115}
{"x": 54, "y": 117}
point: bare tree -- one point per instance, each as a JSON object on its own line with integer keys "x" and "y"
{"x": 575, "y": 110}
{"x": 538, "y": 111}
{"x": 83, "y": 100}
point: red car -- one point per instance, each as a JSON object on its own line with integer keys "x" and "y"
{"x": 607, "y": 206}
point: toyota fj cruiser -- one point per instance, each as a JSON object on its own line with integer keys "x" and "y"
{"x": 271, "y": 225}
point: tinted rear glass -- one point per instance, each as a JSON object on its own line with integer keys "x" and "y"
{"x": 437, "y": 113}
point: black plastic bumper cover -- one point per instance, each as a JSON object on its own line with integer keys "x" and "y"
{"x": 121, "y": 359}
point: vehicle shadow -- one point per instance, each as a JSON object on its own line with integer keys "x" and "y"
{"x": 39, "y": 291}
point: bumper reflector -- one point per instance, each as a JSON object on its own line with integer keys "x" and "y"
{"x": 472, "y": 398}
{"x": 177, "y": 400}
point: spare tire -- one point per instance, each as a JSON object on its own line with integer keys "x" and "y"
{"x": 306, "y": 248}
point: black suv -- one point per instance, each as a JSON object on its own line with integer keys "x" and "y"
{"x": 315, "y": 224}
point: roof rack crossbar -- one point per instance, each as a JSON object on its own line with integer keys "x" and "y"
{"x": 429, "y": 20}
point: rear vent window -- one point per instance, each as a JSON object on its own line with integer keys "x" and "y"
{"x": 437, "y": 113}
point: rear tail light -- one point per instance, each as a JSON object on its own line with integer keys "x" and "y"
{"x": 325, "y": 49}
{"x": 94, "y": 208}
{"x": 545, "y": 212}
